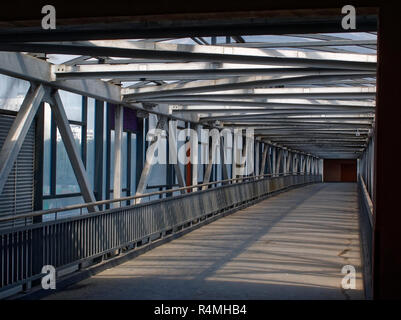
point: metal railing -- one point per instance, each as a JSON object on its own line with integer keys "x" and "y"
{"x": 366, "y": 229}
{"x": 121, "y": 200}
{"x": 71, "y": 241}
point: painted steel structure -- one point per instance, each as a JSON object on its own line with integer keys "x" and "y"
{"x": 304, "y": 102}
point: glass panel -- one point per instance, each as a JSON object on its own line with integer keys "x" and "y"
{"x": 158, "y": 175}
{"x": 12, "y": 92}
{"x": 72, "y": 105}
{"x": 60, "y": 203}
{"x": 66, "y": 181}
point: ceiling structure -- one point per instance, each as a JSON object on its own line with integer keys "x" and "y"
{"x": 313, "y": 93}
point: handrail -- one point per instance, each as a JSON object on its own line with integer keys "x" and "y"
{"x": 102, "y": 202}
{"x": 367, "y": 199}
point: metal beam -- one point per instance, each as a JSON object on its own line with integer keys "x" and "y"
{"x": 212, "y": 154}
{"x": 26, "y": 67}
{"x": 196, "y": 74}
{"x": 278, "y": 162}
{"x": 179, "y": 25}
{"x": 264, "y": 156}
{"x": 222, "y": 157}
{"x": 115, "y": 51}
{"x": 225, "y": 85}
{"x": 195, "y": 105}
{"x": 150, "y": 153}
{"x": 303, "y": 44}
{"x": 19, "y": 129}
{"x": 71, "y": 149}
{"x": 264, "y": 96}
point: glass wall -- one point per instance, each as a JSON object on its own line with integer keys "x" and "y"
{"x": 60, "y": 186}
{"x": 12, "y": 92}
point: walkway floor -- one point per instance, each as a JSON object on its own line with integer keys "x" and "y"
{"x": 290, "y": 246}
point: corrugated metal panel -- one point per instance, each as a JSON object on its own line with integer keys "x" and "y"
{"x": 17, "y": 195}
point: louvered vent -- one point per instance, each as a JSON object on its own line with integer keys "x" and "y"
{"x": 17, "y": 195}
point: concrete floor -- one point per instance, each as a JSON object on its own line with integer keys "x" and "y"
{"x": 290, "y": 246}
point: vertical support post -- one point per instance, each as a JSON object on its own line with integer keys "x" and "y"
{"x": 274, "y": 160}
{"x": 118, "y": 141}
{"x": 303, "y": 164}
{"x": 99, "y": 134}
{"x": 244, "y": 155}
{"x": 313, "y": 165}
{"x": 285, "y": 157}
{"x": 269, "y": 160}
{"x": 289, "y": 161}
{"x": 256, "y": 157}
{"x": 222, "y": 157}
{"x": 279, "y": 159}
{"x": 188, "y": 166}
{"x": 235, "y": 156}
{"x": 295, "y": 160}
{"x": 139, "y": 153}
{"x": 170, "y": 171}
{"x": 264, "y": 157}
{"x": 38, "y": 163}
{"x": 194, "y": 155}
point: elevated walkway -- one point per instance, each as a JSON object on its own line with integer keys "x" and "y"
{"x": 290, "y": 246}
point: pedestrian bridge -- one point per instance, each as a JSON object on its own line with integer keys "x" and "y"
{"x": 190, "y": 166}
{"x": 291, "y": 245}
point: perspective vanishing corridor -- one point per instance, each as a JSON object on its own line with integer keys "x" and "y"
{"x": 196, "y": 157}
{"x": 290, "y": 246}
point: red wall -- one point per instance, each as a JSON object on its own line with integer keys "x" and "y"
{"x": 339, "y": 170}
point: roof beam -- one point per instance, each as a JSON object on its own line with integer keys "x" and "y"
{"x": 228, "y": 84}
{"x": 207, "y": 105}
{"x": 197, "y": 74}
{"x": 123, "y": 52}
{"x": 227, "y": 50}
{"x": 26, "y": 67}
{"x": 264, "y": 96}
{"x": 303, "y": 44}
{"x": 29, "y": 68}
